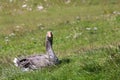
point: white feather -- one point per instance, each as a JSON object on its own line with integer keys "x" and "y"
{"x": 15, "y": 61}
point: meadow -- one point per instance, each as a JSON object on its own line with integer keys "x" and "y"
{"x": 86, "y": 38}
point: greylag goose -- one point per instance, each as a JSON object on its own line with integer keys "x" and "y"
{"x": 41, "y": 60}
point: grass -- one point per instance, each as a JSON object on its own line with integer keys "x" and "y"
{"x": 86, "y": 38}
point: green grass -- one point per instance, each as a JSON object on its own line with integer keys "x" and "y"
{"x": 86, "y": 38}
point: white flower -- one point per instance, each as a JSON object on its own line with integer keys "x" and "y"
{"x": 73, "y": 22}
{"x": 114, "y": 12}
{"x": 32, "y": 38}
{"x": 17, "y": 26}
{"x": 40, "y": 7}
{"x": 11, "y": 0}
{"x": 12, "y": 34}
{"x": 76, "y": 35}
{"x": 95, "y": 28}
{"x": 45, "y": 0}
{"x": 29, "y": 9}
{"x": 67, "y": 1}
{"x": 78, "y": 17}
{"x": 24, "y": 6}
{"x": 6, "y": 39}
{"x": 15, "y": 62}
{"x": 88, "y": 28}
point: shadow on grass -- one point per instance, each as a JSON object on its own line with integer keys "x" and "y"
{"x": 64, "y": 61}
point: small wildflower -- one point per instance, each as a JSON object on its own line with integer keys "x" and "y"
{"x": 11, "y": 0}
{"x": 114, "y": 12}
{"x": 7, "y": 40}
{"x": 24, "y": 6}
{"x": 88, "y": 28}
{"x": 6, "y": 37}
{"x": 45, "y": 0}
{"x": 67, "y": 1}
{"x": 40, "y": 26}
{"x": 40, "y": 7}
{"x": 78, "y": 17}
{"x": 76, "y": 35}
{"x": 32, "y": 38}
{"x": 73, "y": 22}
{"x": 17, "y": 26}
{"x": 22, "y": 24}
{"x": 95, "y": 28}
{"x": 29, "y": 9}
{"x": 12, "y": 34}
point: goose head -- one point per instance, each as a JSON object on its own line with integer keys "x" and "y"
{"x": 49, "y": 38}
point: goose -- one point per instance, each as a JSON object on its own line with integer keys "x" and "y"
{"x": 37, "y": 61}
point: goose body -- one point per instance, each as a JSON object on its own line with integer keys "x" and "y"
{"x": 40, "y": 60}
